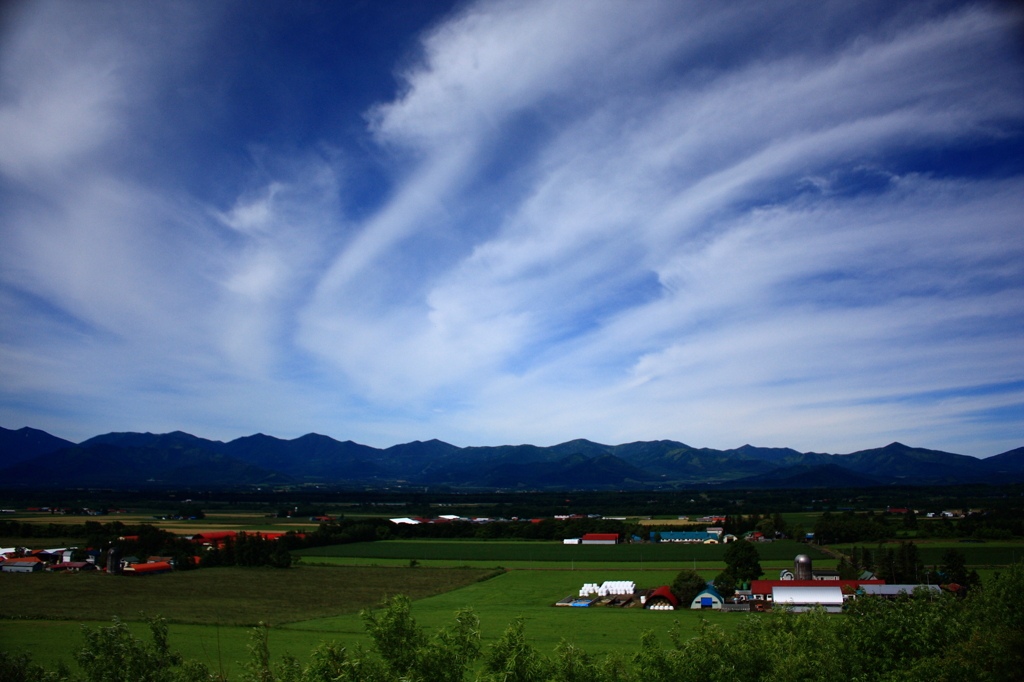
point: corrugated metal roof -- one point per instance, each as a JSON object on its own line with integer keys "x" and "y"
{"x": 670, "y": 535}
{"x": 826, "y": 596}
{"x": 765, "y": 586}
{"x": 601, "y": 536}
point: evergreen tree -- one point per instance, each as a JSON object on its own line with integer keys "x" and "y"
{"x": 954, "y": 567}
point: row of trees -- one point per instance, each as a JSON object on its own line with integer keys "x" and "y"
{"x": 849, "y": 527}
{"x": 902, "y": 565}
{"x": 918, "y": 638}
{"x": 769, "y": 525}
{"x": 870, "y": 527}
{"x": 248, "y": 550}
{"x": 347, "y": 530}
{"x": 546, "y": 529}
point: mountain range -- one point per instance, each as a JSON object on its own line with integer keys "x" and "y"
{"x": 31, "y": 458}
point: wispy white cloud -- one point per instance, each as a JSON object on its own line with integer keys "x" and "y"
{"x": 601, "y": 220}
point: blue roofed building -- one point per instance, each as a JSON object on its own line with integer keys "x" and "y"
{"x": 706, "y": 537}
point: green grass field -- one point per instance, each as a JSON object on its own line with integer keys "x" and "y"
{"x": 42, "y": 543}
{"x": 530, "y": 594}
{"x": 316, "y": 604}
{"x": 228, "y": 596}
{"x": 553, "y": 554}
{"x": 316, "y": 560}
{"x": 210, "y": 609}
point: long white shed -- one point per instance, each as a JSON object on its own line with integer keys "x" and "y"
{"x": 805, "y": 598}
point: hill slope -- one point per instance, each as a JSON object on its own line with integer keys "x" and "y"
{"x": 25, "y": 443}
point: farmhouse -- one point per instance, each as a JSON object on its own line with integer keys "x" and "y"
{"x": 600, "y": 539}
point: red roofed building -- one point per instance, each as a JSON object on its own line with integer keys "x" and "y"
{"x": 662, "y": 598}
{"x": 153, "y": 568}
{"x": 219, "y": 537}
{"x": 601, "y": 539}
{"x": 762, "y": 589}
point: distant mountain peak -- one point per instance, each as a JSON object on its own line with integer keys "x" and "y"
{"x": 28, "y": 455}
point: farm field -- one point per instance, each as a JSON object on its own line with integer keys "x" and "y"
{"x": 805, "y": 519}
{"x": 554, "y": 554}
{"x": 42, "y": 543}
{"x": 668, "y": 522}
{"x": 529, "y": 594}
{"x": 323, "y": 609}
{"x": 316, "y": 560}
{"x": 214, "y": 521}
{"x": 226, "y": 596}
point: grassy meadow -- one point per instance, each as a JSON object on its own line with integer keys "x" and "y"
{"x": 211, "y": 610}
{"x": 215, "y": 521}
{"x": 225, "y": 596}
{"x": 308, "y": 605}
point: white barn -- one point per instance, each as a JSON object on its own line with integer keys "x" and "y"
{"x": 805, "y": 598}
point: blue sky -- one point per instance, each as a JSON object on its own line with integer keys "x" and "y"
{"x": 786, "y": 224}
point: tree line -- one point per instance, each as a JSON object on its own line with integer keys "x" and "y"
{"x": 995, "y": 524}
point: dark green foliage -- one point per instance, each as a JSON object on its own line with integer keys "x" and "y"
{"x": 849, "y": 527}
{"x": 406, "y": 652}
{"x": 512, "y": 659}
{"x": 687, "y": 585}
{"x": 726, "y": 584}
{"x": 250, "y": 550}
{"x": 779, "y": 523}
{"x": 547, "y": 529}
{"x": 20, "y": 668}
{"x": 847, "y": 571}
{"x": 900, "y": 566}
{"x": 280, "y": 557}
{"x": 113, "y": 654}
{"x": 677, "y": 552}
{"x": 954, "y": 567}
{"x": 742, "y": 561}
{"x": 189, "y": 511}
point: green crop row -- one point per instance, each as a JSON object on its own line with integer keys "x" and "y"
{"x": 502, "y": 553}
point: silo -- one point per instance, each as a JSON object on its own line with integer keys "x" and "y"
{"x": 114, "y": 561}
{"x": 802, "y": 567}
